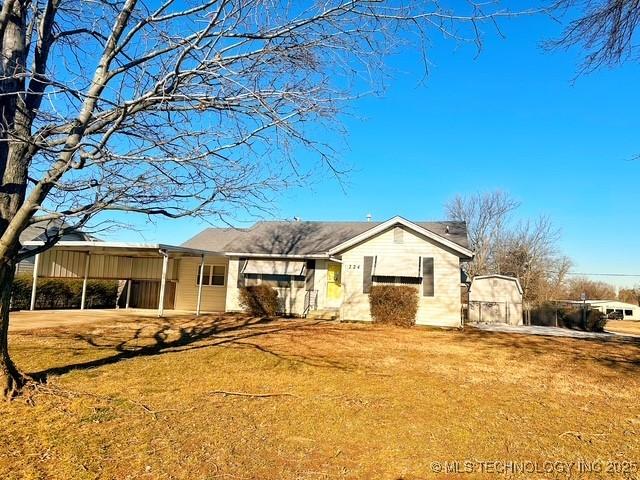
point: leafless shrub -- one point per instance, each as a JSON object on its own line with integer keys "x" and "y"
{"x": 394, "y": 304}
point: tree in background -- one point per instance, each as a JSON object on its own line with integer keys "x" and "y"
{"x": 529, "y": 252}
{"x": 526, "y": 250}
{"x": 630, "y": 295}
{"x": 181, "y": 107}
{"x": 486, "y": 215}
{"x": 594, "y": 290}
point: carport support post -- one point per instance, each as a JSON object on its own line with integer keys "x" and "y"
{"x": 200, "y": 277}
{"x": 126, "y": 305}
{"x": 34, "y": 285}
{"x": 163, "y": 281}
{"x": 84, "y": 281}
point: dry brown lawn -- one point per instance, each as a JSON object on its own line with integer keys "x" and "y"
{"x": 627, "y": 327}
{"x": 140, "y": 398}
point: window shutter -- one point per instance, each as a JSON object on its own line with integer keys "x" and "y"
{"x": 428, "y": 289}
{"x": 310, "y": 274}
{"x": 241, "y": 264}
{"x": 367, "y": 269}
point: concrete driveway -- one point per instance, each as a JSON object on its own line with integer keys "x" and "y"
{"x": 27, "y": 320}
{"x": 553, "y": 332}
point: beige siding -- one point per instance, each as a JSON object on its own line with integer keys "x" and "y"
{"x": 61, "y": 263}
{"x": 443, "y": 309}
{"x": 504, "y": 293}
{"x": 25, "y": 267}
{"x": 233, "y": 293}
{"x": 320, "y": 283}
{"x": 213, "y": 297}
{"x": 291, "y": 299}
{"x": 70, "y": 264}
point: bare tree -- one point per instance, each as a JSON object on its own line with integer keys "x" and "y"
{"x": 594, "y": 290}
{"x": 557, "y": 278}
{"x": 529, "y": 252}
{"x": 630, "y": 295}
{"x": 178, "y": 108}
{"x": 486, "y": 215}
{"x": 604, "y": 29}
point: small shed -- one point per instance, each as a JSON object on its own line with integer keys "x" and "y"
{"x": 495, "y": 299}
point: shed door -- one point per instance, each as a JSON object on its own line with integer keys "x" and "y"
{"x": 334, "y": 282}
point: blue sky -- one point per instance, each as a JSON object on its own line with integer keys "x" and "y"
{"x": 511, "y": 118}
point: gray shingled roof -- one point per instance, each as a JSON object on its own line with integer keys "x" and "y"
{"x": 38, "y": 231}
{"x": 302, "y": 238}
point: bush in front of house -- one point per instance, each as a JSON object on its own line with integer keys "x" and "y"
{"x": 259, "y": 300}
{"x": 394, "y": 304}
{"x": 56, "y": 293}
{"x": 596, "y": 321}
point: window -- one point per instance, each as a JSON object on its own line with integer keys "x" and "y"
{"x": 251, "y": 279}
{"x": 428, "y": 278}
{"x": 386, "y": 280}
{"x": 212, "y": 275}
{"x": 398, "y": 235}
{"x": 628, "y": 313}
{"x": 274, "y": 280}
{"x": 609, "y": 310}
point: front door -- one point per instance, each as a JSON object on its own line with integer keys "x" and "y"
{"x": 334, "y": 282}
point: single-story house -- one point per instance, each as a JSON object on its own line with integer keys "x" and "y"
{"x": 495, "y": 299}
{"x": 326, "y": 267}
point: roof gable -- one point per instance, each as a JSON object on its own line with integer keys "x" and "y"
{"x": 378, "y": 229}
{"x": 501, "y": 277}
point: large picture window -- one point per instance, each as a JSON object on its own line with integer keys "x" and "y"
{"x": 212, "y": 275}
{"x": 275, "y": 280}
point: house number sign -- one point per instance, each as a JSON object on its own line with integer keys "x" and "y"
{"x": 353, "y": 266}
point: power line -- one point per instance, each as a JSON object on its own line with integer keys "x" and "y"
{"x": 585, "y": 274}
{"x": 605, "y": 274}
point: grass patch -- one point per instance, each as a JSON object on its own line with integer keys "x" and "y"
{"x": 143, "y": 398}
{"x": 627, "y": 327}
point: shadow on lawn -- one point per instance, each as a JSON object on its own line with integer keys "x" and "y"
{"x": 156, "y": 337}
{"x": 323, "y": 344}
{"x": 617, "y": 354}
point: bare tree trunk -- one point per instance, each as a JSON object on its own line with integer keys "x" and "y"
{"x": 11, "y": 380}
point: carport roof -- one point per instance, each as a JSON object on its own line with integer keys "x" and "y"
{"x": 124, "y": 248}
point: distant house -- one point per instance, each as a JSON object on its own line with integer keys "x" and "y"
{"x": 629, "y": 311}
{"x": 40, "y": 232}
{"x": 495, "y": 299}
{"x": 322, "y": 267}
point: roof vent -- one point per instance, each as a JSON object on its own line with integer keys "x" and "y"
{"x": 368, "y": 217}
{"x": 446, "y": 229}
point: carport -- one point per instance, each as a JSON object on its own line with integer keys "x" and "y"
{"x": 113, "y": 261}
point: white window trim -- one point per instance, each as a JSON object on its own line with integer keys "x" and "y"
{"x": 211, "y": 265}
